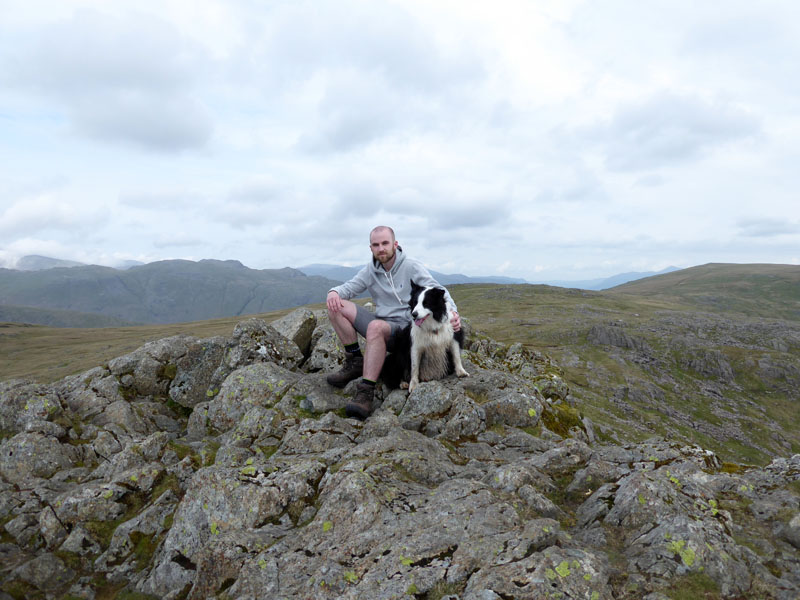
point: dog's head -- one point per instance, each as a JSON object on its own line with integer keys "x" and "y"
{"x": 427, "y": 303}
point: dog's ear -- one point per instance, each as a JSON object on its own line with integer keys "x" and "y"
{"x": 414, "y": 286}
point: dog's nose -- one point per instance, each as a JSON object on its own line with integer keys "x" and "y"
{"x": 414, "y": 314}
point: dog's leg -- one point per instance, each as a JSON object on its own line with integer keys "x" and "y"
{"x": 415, "y": 358}
{"x": 455, "y": 348}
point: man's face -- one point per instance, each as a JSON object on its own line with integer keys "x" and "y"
{"x": 382, "y": 246}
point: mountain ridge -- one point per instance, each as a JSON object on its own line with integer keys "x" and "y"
{"x": 163, "y": 291}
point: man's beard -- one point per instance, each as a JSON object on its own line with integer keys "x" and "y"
{"x": 384, "y": 258}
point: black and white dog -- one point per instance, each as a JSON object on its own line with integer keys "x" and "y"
{"x": 427, "y": 348}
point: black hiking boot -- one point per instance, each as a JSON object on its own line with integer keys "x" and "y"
{"x": 351, "y": 369}
{"x": 360, "y": 406}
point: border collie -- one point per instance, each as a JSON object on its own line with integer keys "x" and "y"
{"x": 427, "y": 348}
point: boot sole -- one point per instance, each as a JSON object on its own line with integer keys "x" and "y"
{"x": 357, "y": 411}
{"x": 341, "y": 384}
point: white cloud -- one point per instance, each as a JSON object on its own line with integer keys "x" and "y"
{"x": 47, "y": 212}
{"x": 118, "y": 78}
{"x": 767, "y": 228}
{"x": 665, "y": 129}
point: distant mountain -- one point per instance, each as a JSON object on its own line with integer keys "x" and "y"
{"x": 34, "y": 262}
{"x": 608, "y": 282}
{"x": 170, "y": 291}
{"x": 340, "y": 273}
{"x": 128, "y": 264}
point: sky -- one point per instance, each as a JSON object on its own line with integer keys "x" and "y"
{"x": 543, "y": 140}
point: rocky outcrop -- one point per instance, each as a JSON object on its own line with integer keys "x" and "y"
{"x": 224, "y": 468}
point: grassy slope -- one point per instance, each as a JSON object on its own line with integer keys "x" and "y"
{"x": 771, "y": 291}
{"x": 635, "y": 398}
{"x": 48, "y": 353}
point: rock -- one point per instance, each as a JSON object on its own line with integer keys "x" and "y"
{"x": 298, "y": 326}
{"x": 615, "y": 335}
{"x": 220, "y": 468}
{"x": 255, "y": 340}
{"x": 23, "y": 405}
{"x": 327, "y": 353}
{"x": 221, "y": 500}
{"x": 791, "y": 531}
{"x": 34, "y": 455}
{"x": 195, "y": 370}
{"x": 554, "y": 572}
{"x": 153, "y": 366}
{"x": 46, "y": 572}
{"x": 260, "y": 384}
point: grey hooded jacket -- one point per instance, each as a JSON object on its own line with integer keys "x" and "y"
{"x": 391, "y": 290}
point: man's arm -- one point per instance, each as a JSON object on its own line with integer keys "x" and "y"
{"x": 349, "y": 289}
{"x": 352, "y": 288}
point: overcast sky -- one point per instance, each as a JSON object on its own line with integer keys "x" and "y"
{"x": 537, "y": 139}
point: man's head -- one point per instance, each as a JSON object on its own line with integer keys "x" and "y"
{"x": 383, "y": 245}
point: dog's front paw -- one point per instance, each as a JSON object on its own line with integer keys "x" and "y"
{"x": 462, "y": 373}
{"x": 412, "y": 384}
{"x": 403, "y": 385}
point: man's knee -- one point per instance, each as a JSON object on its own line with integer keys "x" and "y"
{"x": 347, "y": 312}
{"x": 378, "y": 329}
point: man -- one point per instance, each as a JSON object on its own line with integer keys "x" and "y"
{"x": 388, "y": 280}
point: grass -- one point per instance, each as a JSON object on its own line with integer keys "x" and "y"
{"x": 47, "y": 354}
{"x": 694, "y": 586}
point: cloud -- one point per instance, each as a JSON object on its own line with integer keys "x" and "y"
{"x": 489, "y": 213}
{"x": 149, "y": 120}
{"x": 179, "y": 239}
{"x": 251, "y": 205}
{"x": 38, "y": 213}
{"x": 160, "y": 200}
{"x": 355, "y": 110}
{"x": 667, "y": 129}
{"x": 383, "y": 39}
{"x": 365, "y": 70}
{"x": 118, "y": 79}
{"x": 764, "y": 228}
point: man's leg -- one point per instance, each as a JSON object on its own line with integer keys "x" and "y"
{"x": 342, "y": 322}
{"x": 378, "y": 333}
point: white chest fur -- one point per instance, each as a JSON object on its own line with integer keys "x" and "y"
{"x": 431, "y": 346}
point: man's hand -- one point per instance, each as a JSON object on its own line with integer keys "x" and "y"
{"x": 334, "y": 302}
{"x": 455, "y": 321}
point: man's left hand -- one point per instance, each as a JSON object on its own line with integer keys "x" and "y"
{"x": 455, "y": 321}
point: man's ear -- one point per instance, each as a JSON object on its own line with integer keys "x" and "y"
{"x": 396, "y": 244}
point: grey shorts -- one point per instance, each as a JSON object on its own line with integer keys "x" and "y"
{"x": 364, "y": 317}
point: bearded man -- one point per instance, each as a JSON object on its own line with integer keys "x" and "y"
{"x": 388, "y": 280}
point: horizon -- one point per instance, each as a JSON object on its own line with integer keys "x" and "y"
{"x": 595, "y": 279}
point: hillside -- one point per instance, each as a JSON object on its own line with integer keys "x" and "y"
{"x": 755, "y": 290}
{"x": 57, "y": 318}
{"x": 161, "y": 292}
{"x": 222, "y": 468}
{"x": 645, "y": 364}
